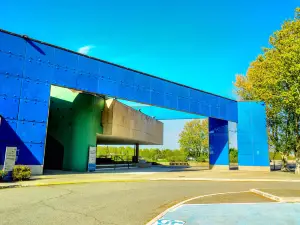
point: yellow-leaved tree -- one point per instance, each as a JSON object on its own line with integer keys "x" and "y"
{"x": 274, "y": 77}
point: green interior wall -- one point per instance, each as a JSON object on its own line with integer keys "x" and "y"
{"x": 86, "y": 125}
{"x": 74, "y": 121}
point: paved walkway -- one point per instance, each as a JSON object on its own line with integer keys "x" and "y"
{"x": 153, "y": 174}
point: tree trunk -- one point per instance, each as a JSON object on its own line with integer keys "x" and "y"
{"x": 297, "y": 150}
{"x": 284, "y": 159}
{"x": 297, "y": 158}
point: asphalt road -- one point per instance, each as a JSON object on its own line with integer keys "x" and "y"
{"x": 107, "y": 203}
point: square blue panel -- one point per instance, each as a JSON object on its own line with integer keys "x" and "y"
{"x": 125, "y": 77}
{"x": 143, "y": 81}
{"x": 9, "y": 107}
{"x": 65, "y": 77}
{"x": 10, "y": 86}
{"x": 35, "y": 90}
{"x": 204, "y": 108}
{"x": 87, "y": 82}
{"x": 12, "y": 44}
{"x": 126, "y": 92}
{"x": 8, "y": 130}
{"x": 171, "y": 101}
{"x": 33, "y": 111}
{"x": 158, "y": 85}
{"x": 31, "y": 132}
{"x": 214, "y": 102}
{"x": 259, "y": 157}
{"x": 65, "y": 59}
{"x": 183, "y": 92}
{"x": 196, "y": 95}
{"x": 39, "y": 53}
{"x": 223, "y": 110}
{"x": 30, "y": 154}
{"x": 231, "y": 110}
{"x": 172, "y": 89}
{"x": 11, "y": 64}
{"x": 245, "y": 160}
{"x": 157, "y": 99}
{"x": 108, "y": 71}
{"x": 108, "y": 87}
{"x": 184, "y": 104}
{"x": 195, "y": 107}
{"x": 142, "y": 95}
{"x": 38, "y": 71}
{"x": 88, "y": 65}
{"x": 215, "y": 111}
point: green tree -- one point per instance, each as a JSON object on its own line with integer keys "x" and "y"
{"x": 274, "y": 77}
{"x": 194, "y": 138}
{"x": 233, "y": 155}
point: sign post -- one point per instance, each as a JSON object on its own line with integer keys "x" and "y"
{"x": 92, "y": 159}
{"x": 9, "y": 161}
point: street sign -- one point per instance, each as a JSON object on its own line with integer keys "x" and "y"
{"x": 10, "y": 159}
{"x": 92, "y": 159}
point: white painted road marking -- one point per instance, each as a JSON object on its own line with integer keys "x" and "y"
{"x": 154, "y": 220}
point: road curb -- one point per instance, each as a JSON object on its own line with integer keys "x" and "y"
{"x": 275, "y": 197}
{"x": 266, "y": 195}
{"x": 70, "y": 182}
{"x": 10, "y": 186}
{"x": 225, "y": 179}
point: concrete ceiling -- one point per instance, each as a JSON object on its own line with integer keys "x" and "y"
{"x": 115, "y": 140}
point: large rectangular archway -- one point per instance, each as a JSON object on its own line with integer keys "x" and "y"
{"x": 29, "y": 67}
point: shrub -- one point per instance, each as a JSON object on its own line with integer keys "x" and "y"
{"x": 202, "y": 158}
{"x": 177, "y": 158}
{"x": 21, "y": 172}
{"x": 2, "y": 174}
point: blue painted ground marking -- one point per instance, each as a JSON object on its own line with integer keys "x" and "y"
{"x": 169, "y": 222}
{"x": 252, "y": 213}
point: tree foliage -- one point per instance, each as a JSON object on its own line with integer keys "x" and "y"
{"x": 194, "y": 138}
{"x": 274, "y": 77}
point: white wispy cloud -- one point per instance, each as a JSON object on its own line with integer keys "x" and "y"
{"x": 85, "y": 49}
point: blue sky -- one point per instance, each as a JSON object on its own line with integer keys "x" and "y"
{"x": 203, "y": 44}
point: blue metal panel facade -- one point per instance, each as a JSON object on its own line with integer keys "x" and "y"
{"x": 29, "y": 68}
{"x": 50, "y": 65}
{"x": 252, "y": 134}
{"x": 165, "y": 114}
{"x": 24, "y": 97}
{"x": 218, "y": 142}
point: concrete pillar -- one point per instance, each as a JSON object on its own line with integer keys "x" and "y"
{"x": 86, "y": 124}
{"x": 137, "y": 153}
{"x": 218, "y": 144}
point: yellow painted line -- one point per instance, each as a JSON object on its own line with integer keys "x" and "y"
{"x": 85, "y": 182}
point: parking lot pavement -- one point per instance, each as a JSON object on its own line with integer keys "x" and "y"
{"x": 132, "y": 203}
